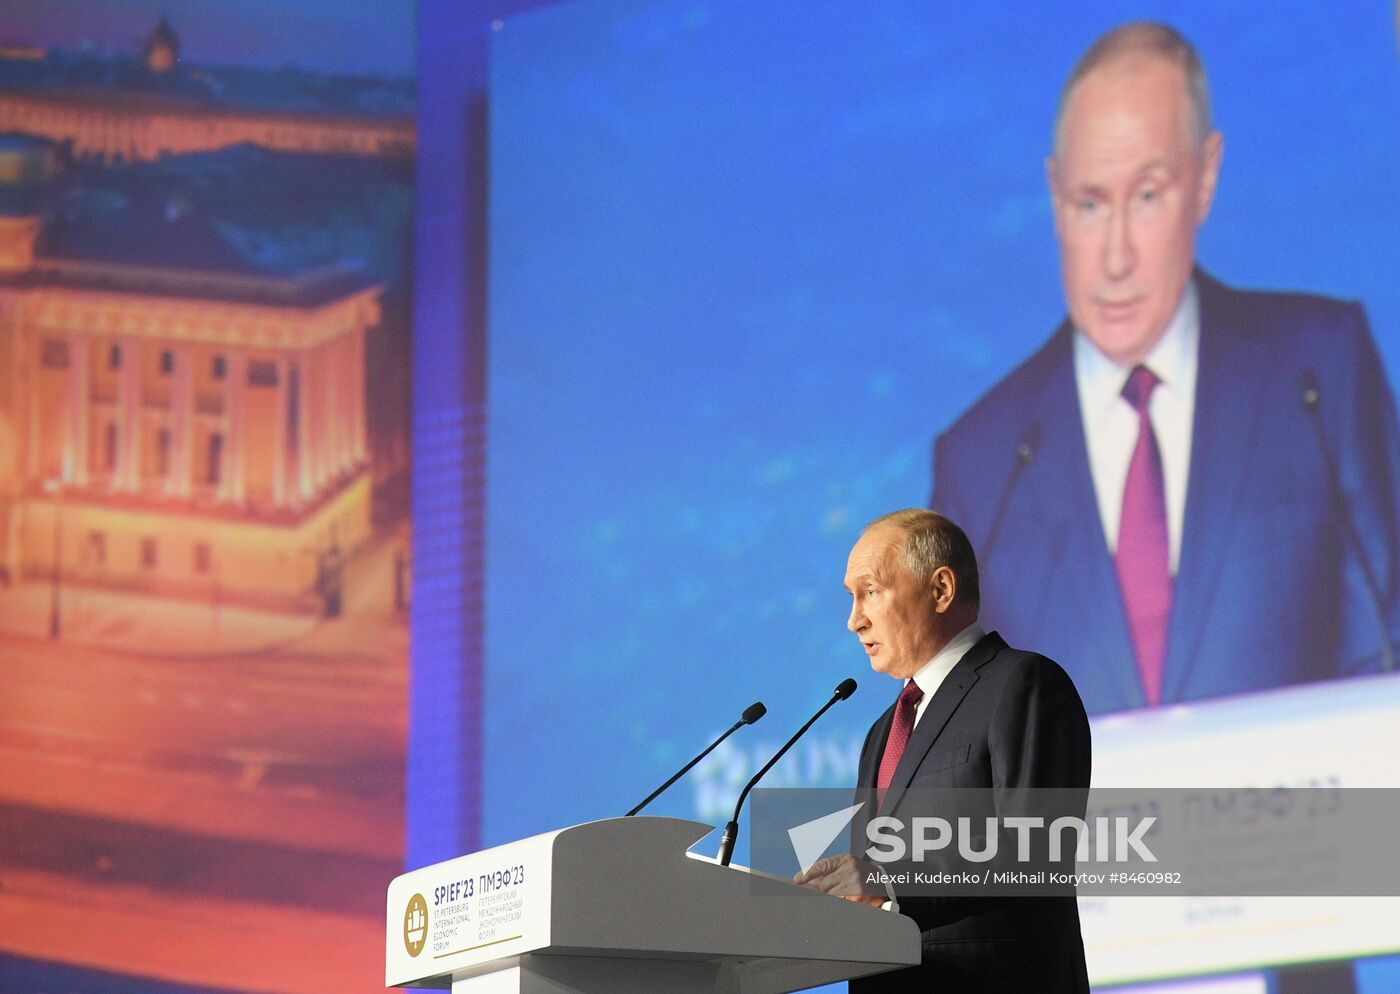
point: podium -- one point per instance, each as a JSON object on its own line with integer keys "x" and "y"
{"x": 620, "y": 906}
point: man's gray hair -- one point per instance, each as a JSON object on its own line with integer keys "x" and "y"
{"x": 1145, "y": 38}
{"x": 931, "y": 541}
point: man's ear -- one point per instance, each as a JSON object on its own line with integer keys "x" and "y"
{"x": 943, "y": 585}
{"x": 1052, "y": 183}
{"x": 1212, "y": 151}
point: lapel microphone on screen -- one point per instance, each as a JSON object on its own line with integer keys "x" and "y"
{"x": 1025, "y": 452}
{"x": 1310, "y": 393}
{"x": 844, "y": 689}
{"x": 751, "y": 714}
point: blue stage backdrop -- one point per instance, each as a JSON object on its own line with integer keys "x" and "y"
{"x": 744, "y": 262}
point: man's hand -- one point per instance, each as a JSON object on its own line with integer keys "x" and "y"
{"x": 847, "y": 877}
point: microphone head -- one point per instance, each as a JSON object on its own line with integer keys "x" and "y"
{"x": 753, "y": 712}
{"x": 1025, "y": 448}
{"x": 845, "y": 688}
{"x": 1310, "y": 392}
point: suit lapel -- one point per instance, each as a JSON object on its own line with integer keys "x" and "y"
{"x": 1086, "y": 600}
{"x": 946, "y": 698}
{"x": 1230, "y": 373}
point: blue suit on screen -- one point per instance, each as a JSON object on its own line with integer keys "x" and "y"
{"x": 1269, "y": 590}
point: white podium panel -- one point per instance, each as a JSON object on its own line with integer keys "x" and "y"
{"x": 619, "y": 905}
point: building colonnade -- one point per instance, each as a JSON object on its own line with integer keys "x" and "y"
{"x": 314, "y": 437}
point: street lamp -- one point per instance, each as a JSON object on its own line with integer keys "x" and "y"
{"x": 55, "y": 487}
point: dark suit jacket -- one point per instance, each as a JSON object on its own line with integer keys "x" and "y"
{"x": 1002, "y": 718}
{"x": 1267, "y": 591}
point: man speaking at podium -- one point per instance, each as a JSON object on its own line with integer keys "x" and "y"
{"x": 972, "y": 713}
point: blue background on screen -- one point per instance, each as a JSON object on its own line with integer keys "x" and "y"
{"x": 743, "y": 265}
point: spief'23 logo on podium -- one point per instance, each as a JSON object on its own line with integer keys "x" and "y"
{"x": 415, "y": 924}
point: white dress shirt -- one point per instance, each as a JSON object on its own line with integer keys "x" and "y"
{"x": 932, "y": 674}
{"x": 1111, "y": 424}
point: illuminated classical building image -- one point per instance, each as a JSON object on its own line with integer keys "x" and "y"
{"x": 206, "y": 340}
{"x": 173, "y": 420}
{"x": 197, "y": 265}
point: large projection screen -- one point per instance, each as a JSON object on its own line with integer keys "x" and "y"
{"x": 745, "y": 263}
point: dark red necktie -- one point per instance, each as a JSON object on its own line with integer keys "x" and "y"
{"x": 900, "y": 730}
{"x": 1144, "y": 569}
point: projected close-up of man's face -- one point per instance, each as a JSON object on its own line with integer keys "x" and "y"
{"x": 1131, "y": 182}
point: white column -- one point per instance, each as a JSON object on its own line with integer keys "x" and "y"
{"x": 232, "y": 477}
{"x": 306, "y": 482}
{"x": 346, "y": 412}
{"x": 279, "y": 436}
{"x": 75, "y": 403}
{"x": 319, "y": 422}
{"x": 129, "y": 402}
{"x": 335, "y": 377}
{"x": 321, "y": 437}
{"x": 326, "y": 362}
{"x": 358, "y": 426}
{"x": 181, "y": 423}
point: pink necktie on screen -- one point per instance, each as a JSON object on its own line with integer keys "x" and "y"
{"x": 1144, "y": 572}
{"x": 900, "y": 730}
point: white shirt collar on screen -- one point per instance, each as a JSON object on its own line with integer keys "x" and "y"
{"x": 1111, "y": 425}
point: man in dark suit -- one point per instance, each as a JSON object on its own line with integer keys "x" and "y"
{"x": 973, "y": 713}
{"x": 1189, "y": 491}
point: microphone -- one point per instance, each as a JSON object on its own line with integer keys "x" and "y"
{"x": 1311, "y": 396}
{"x": 751, "y": 714}
{"x": 844, "y": 689}
{"x": 1025, "y": 452}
